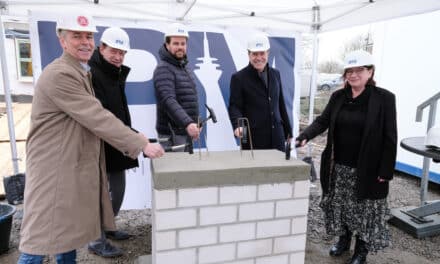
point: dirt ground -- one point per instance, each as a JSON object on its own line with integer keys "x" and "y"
{"x": 405, "y": 249}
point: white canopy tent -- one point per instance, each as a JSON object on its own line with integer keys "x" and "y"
{"x": 306, "y": 16}
{"x": 300, "y": 15}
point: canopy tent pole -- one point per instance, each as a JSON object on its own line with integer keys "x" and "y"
{"x": 187, "y": 10}
{"x": 8, "y": 100}
{"x": 315, "y": 27}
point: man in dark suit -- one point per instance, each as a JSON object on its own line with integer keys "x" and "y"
{"x": 109, "y": 76}
{"x": 257, "y": 94}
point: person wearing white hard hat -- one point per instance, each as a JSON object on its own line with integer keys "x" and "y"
{"x": 66, "y": 199}
{"x": 109, "y": 76}
{"x": 177, "y": 104}
{"x": 358, "y": 160}
{"x": 256, "y": 93}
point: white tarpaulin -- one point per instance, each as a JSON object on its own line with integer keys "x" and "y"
{"x": 408, "y": 61}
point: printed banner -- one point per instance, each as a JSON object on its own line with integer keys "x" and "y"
{"x": 214, "y": 54}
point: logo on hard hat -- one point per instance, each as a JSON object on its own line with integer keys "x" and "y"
{"x": 180, "y": 30}
{"x": 118, "y": 41}
{"x": 82, "y": 21}
{"x": 352, "y": 61}
{"x": 259, "y": 45}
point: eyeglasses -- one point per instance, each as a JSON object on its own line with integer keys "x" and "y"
{"x": 356, "y": 71}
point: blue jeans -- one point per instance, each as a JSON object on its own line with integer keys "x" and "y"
{"x": 62, "y": 258}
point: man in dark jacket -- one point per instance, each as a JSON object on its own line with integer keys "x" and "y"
{"x": 175, "y": 90}
{"x": 257, "y": 94}
{"x": 109, "y": 77}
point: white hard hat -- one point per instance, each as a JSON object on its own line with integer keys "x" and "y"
{"x": 258, "y": 42}
{"x": 176, "y": 30}
{"x": 116, "y": 38}
{"x": 81, "y": 22}
{"x": 358, "y": 58}
{"x": 432, "y": 139}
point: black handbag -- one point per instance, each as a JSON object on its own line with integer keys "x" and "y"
{"x": 14, "y": 188}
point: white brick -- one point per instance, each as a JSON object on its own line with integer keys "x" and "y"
{"x": 297, "y": 207}
{"x": 165, "y": 240}
{"x": 197, "y": 196}
{"x": 218, "y": 215}
{"x": 177, "y": 256}
{"x": 251, "y": 261}
{"x": 175, "y": 219}
{"x": 238, "y": 194}
{"x": 289, "y": 244}
{"x": 256, "y": 211}
{"x": 197, "y": 237}
{"x": 299, "y": 225}
{"x": 274, "y": 191}
{"x": 220, "y": 253}
{"x": 254, "y": 248}
{"x": 165, "y": 199}
{"x": 297, "y": 258}
{"x": 301, "y": 189}
{"x": 273, "y": 228}
{"x": 237, "y": 232}
{"x": 282, "y": 259}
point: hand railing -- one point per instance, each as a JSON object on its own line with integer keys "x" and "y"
{"x": 432, "y": 104}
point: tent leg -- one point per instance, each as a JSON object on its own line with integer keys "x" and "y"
{"x": 308, "y": 159}
{"x": 8, "y": 100}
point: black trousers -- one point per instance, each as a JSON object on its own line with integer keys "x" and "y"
{"x": 116, "y": 182}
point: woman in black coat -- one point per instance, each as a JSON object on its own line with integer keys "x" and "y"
{"x": 359, "y": 159}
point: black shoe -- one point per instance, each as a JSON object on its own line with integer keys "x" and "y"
{"x": 117, "y": 235}
{"x": 360, "y": 252}
{"x": 341, "y": 246}
{"x": 104, "y": 249}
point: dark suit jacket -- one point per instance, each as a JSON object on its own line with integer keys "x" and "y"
{"x": 109, "y": 85}
{"x": 377, "y": 155}
{"x": 263, "y": 106}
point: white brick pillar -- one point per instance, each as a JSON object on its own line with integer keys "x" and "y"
{"x": 228, "y": 208}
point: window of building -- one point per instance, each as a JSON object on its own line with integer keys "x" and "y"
{"x": 24, "y": 59}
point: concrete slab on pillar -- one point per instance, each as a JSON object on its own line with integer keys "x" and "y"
{"x": 223, "y": 168}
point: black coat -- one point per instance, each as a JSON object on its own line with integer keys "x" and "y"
{"x": 176, "y": 94}
{"x": 377, "y": 154}
{"x": 263, "y": 106}
{"x": 109, "y": 85}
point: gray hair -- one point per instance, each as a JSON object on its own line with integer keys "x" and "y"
{"x": 61, "y": 33}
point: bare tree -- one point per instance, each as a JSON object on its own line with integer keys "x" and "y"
{"x": 361, "y": 41}
{"x": 330, "y": 66}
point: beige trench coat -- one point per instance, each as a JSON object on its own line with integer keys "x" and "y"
{"x": 66, "y": 196}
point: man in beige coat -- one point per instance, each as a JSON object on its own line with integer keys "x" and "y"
{"x": 66, "y": 199}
